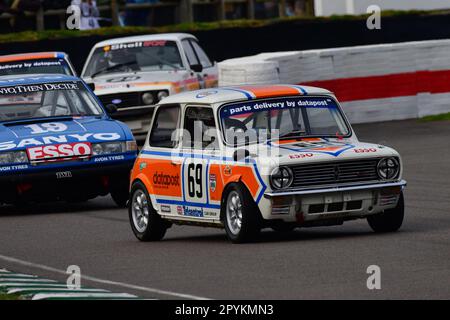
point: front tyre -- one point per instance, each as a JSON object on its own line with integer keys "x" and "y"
{"x": 240, "y": 215}
{"x": 390, "y": 220}
{"x": 146, "y": 224}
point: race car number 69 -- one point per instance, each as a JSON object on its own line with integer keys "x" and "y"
{"x": 47, "y": 127}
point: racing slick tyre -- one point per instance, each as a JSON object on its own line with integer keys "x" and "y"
{"x": 240, "y": 215}
{"x": 147, "y": 225}
{"x": 390, "y": 220}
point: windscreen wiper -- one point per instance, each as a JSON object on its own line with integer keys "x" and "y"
{"x": 297, "y": 133}
{"x": 112, "y": 68}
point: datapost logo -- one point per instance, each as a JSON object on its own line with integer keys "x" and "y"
{"x": 164, "y": 180}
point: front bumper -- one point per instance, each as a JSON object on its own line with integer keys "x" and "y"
{"x": 340, "y": 203}
{"x": 66, "y": 181}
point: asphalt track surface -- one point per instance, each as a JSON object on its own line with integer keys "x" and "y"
{"x": 192, "y": 262}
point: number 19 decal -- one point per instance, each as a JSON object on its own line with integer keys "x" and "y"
{"x": 47, "y": 127}
{"x": 194, "y": 177}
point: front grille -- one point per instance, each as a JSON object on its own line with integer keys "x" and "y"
{"x": 122, "y": 100}
{"x": 333, "y": 173}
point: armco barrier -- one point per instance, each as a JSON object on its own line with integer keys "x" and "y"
{"x": 374, "y": 83}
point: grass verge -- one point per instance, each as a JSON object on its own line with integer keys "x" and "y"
{"x": 437, "y": 117}
{"x": 9, "y": 297}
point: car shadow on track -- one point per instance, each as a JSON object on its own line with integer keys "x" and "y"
{"x": 57, "y": 207}
{"x": 268, "y": 236}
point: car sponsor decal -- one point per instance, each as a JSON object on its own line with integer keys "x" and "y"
{"x": 123, "y": 79}
{"x": 137, "y": 44}
{"x": 22, "y": 89}
{"x": 67, "y": 150}
{"x": 17, "y": 65}
{"x": 212, "y": 182}
{"x": 237, "y": 109}
{"x": 40, "y": 141}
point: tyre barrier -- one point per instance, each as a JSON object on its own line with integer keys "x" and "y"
{"x": 374, "y": 83}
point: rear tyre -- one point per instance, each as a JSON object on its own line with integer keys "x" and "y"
{"x": 390, "y": 220}
{"x": 146, "y": 224}
{"x": 241, "y": 216}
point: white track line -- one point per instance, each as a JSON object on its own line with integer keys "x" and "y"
{"x": 44, "y": 296}
{"x": 107, "y": 282}
{"x": 57, "y": 290}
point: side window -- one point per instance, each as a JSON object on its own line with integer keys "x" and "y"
{"x": 190, "y": 54}
{"x": 200, "y": 129}
{"x": 164, "y": 127}
{"x": 204, "y": 60}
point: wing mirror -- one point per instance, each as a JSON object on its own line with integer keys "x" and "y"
{"x": 91, "y": 86}
{"x": 197, "y": 68}
{"x": 111, "y": 108}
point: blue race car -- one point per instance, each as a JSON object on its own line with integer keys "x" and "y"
{"x": 57, "y": 142}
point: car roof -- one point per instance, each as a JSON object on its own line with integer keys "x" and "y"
{"x": 149, "y": 37}
{"x": 242, "y": 93}
{"x": 32, "y": 56}
{"x": 6, "y": 81}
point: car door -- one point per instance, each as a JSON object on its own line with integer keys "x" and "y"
{"x": 205, "y": 71}
{"x": 199, "y": 148}
{"x": 163, "y": 162}
{"x": 209, "y": 73}
{"x": 194, "y": 82}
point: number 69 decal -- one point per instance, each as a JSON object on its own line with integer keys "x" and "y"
{"x": 194, "y": 176}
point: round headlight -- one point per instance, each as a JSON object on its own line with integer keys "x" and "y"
{"x": 162, "y": 95}
{"x": 148, "y": 98}
{"x": 388, "y": 168}
{"x": 281, "y": 177}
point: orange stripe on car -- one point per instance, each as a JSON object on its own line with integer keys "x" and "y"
{"x": 20, "y": 57}
{"x": 272, "y": 91}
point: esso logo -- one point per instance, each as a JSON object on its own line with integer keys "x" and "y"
{"x": 66, "y": 150}
{"x": 369, "y": 150}
{"x": 301, "y": 156}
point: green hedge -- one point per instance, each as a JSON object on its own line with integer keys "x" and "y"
{"x": 186, "y": 27}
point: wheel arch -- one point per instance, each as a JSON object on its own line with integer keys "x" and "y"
{"x": 144, "y": 180}
{"x": 227, "y": 188}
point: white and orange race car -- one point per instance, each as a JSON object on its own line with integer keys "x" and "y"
{"x": 250, "y": 157}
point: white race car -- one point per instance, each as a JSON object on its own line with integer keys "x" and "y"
{"x": 250, "y": 157}
{"x": 135, "y": 73}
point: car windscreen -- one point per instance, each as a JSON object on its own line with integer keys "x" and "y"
{"x": 294, "y": 117}
{"x": 38, "y": 66}
{"x": 143, "y": 56}
{"x": 22, "y": 102}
